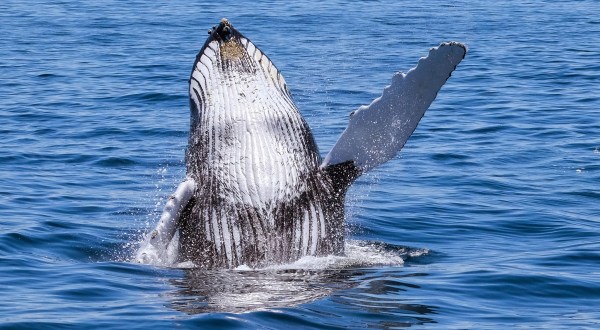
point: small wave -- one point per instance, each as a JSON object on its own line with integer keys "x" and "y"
{"x": 116, "y": 162}
{"x": 151, "y": 96}
{"x": 49, "y": 75}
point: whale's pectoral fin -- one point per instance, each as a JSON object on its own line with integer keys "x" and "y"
{"x": 153, "y": 249}
{"x": 377, "y": 132}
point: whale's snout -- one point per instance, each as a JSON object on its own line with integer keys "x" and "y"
{"x": 223, "y": 32}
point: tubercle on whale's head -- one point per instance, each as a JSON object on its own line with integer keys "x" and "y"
{"x": 228, "y": 39}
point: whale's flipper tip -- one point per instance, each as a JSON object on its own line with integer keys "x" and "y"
{"x": 458, "y": 48}
{"x": 455, "y": 44}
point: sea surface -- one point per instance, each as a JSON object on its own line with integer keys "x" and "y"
{"x": 488, "y": 219}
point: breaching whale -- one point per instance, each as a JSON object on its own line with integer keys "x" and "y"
{"x": 257, "y": 191}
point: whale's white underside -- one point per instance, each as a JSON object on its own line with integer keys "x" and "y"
{"x": 244, "y": 103}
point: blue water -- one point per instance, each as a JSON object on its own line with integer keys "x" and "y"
{"x": 498, "y": 190}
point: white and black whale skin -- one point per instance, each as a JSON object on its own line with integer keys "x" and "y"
{"x": 257, "y": 191}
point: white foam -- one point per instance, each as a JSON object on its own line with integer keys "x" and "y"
{"x": 358, "y": 254}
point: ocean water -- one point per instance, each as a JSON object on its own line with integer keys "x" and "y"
{"x": 488, "y": 219}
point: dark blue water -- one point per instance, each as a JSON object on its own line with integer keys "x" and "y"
{"x": 494, "y": 203}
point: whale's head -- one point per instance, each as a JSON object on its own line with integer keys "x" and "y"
{"x": 228, "y": 51}
{"x": 229, "y": 72}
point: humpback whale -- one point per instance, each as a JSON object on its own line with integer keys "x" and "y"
{"x": 257, "y": 191}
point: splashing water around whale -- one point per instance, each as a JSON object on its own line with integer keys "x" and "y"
{"x": 257, "y": 193}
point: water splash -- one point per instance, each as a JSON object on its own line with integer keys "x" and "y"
{"x": 245, "y": 289}
{"x": 357, "y": 254}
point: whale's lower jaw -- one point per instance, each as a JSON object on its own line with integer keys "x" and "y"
{"x": 216, "y": 233}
